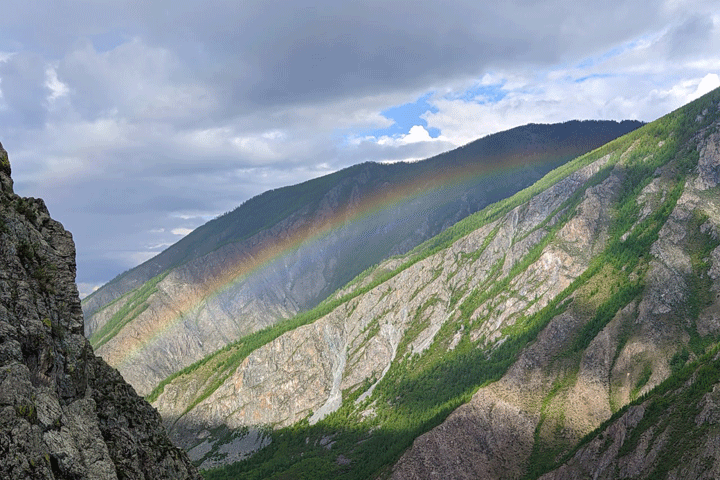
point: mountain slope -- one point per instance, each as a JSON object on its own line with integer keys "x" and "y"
{"x": 492, "y": 349}
{"x": 589, "y": 362}
{"x": 65, "y": 413}
{"x": 286, "y": 250}
{"x": 672, "y": 433}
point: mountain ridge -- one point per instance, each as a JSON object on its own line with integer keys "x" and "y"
{"x": 480, "y": 147}
{"x": 539, "y": 318}
{"x": 241, "y": 287}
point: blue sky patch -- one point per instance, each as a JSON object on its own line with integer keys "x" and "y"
{"x": 590, "y": 62}
{"x": 410, "y": 114}
{"x": 593, "y": 76}
{"x": 481, "y": 94}
{"x": 106, "y": 41}
{"x": 405, "y": 117}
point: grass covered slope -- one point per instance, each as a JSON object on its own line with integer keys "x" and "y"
{"x": 494, "y": 348}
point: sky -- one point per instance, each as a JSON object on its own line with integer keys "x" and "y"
{"x": 138, "y": 121}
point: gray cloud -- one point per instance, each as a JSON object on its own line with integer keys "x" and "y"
{"x": 257, "y": 53}
{"x": 133, "y": 119}
{"x": 23, "y": 90}
{"x": 691, "y": 36}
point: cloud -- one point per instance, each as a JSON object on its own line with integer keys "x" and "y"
{"x": 86, "y": 289}
{"x": 691, "y": 35}
{"x": 56, "y": 87}
{"x": 23, "y": 90}
{"x": 150, "y": 118}
{"x": 709, "y": 82}
{"x": 133, "y": 79}
{"x": 181, "y": 231}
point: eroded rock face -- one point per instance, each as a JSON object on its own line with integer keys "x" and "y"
{"x": 483, "y": 439}
{"x": 303, "y": 372}
{"x": 709, "y": 164}
{"x": 225, "y": 282}
{"x": 64, "y": 413}
{"x": 642, "y": 335}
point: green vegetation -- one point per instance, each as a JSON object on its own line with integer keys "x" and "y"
{"x": 4, "y": 162}
{"x": 547, "y": 443}
{"x": 28, "y": 411}
{"x": 642, "y": 381}
{"x": 700, "y": 296}
{"x": 679, "y": 359}
{"x": 420, "y": 390}
{"x": 26, "y": 253}
{"x": 135, "y": 304}
{"x": 24, "y": 207}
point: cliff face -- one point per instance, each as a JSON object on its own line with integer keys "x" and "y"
{"x": 65, "y": 414}
{"x": 285, "y": 251}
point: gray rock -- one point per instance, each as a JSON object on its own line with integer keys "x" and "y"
{"x": 709, "y": 163}
{"x": 64, "y": 413}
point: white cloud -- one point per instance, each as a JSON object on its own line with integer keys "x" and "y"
{"x": 85, "y": 289}
{"x": 416, "y": 134}
{"x": 136, "y": 258}
{"x": 159, "y": 246}
{"x": 57, "y": 88}
{"x": 709, "y": 82}
{"x": 181, "y": 231}
{"x": 135, "y": 120}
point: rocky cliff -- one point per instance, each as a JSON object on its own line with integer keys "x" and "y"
{"x": 493, "y": 349}
{"x": 673, "y": 433}
{"x": 65, "y": 413}
{"x": 285, "y": 251}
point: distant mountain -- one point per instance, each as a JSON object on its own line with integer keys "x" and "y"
{"x": 286, "y": 250}
{"x": 571, "y": 330}
{"x": 65, "y": 414}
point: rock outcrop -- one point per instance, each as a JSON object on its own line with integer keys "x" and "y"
{"x": 64, "y": 413}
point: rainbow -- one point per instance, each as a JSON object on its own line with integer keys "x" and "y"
{"x": 146, "y": 330}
